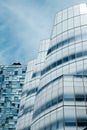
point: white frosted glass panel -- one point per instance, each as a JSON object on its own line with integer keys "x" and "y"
{"x": 53, "y": 42}
{"x": 78, "y": 34}
{"x": 54, "y": 92}
{"x": 53, "y": 58}
{"x": 78, "y": 47}
{"x": 53, "y": 116}
{"x": 84, "y": 32}
{"x": 66, "y": 69}
{"x": 48, "y": 97}
{"x": 59, "y": 55}
{"x": 69, "y": 112}
{"x": 53, "y": 75}
{"x": 70, "y": 23}
{"x": 71, "y": 33}
{"x": 71, "y": 49}
{"x": 79, "y": 66}
{"x": 59, "y": 17}
{"x": 85, "y": 45}
{"x": 37, "y": 125}
{"x": 64, "y": 35}
{"x": 41, "y": 123}
{"x": 64, "y": 25}
{"x": 79, "y": 88}
{"x": 59, "y": 28}
{"x": 59, "y": 38}
{"x": 47, "y": 119}
{"x": 84, "y": 19}
{"x": 69, "y": 89}
{"x": 81, "y": 112}
{"x": 70, "y": 12}
{"x": 76, "y": 21}
{"x": 83, "y": 9}
{"x": 59, "y": 114}
{"x": 76, "y": 10}
{"x": 65, "y": 52}
{"x": 64, "y": 14}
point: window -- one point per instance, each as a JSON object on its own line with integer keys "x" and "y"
{"x": 1, "y": 71}
{"x": 68, "y": 98}
{"x": 65, "y": 59}
{"x": 76, "y": 10}
{"x": 70, "y": 12}
{"x": 71, "y": 57}
{"x": 54, "y": 126}
{"x": 54, "y": 31}
{"x": 64, "y": 14}
{"x": 84, "y": 32}
{"x": 77, "y": 34}
{"x": 77, "y": 21}
{"x": 82, "y": 122}
{"x": 83, "y": 19}
{"x": 64, "y": 25}
{"x": 70, "y": 23}
{"x": 54, "y": 101}
{"x": 84, "y": 53}
{"x": 79, "y": 98}
{"x": 16, "y": 72}
{"x": 23, "y": 71}
{"x": 60, "y": 98}
{"x": 48, "y": 104}
{"x": 53, "y": 65}
{"x": 59, "y": 28}
{"x": 59, "y": 17}
{"x": 79, "y": 55}
{"x": 47, "y": 127}
{"x": 70, "y": 122}
{"x": 59, "y": 62}
{"x": 60, "y": 124}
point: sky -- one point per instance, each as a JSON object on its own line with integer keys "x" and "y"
{"x": 23, "y": 24}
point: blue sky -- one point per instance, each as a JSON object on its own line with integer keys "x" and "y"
{"x": 23, "y": 24}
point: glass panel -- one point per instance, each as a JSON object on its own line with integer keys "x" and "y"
{"x": 83, "y": 19}
{"x": 60, "y": 124}
{"x": 84, "y": 32}
{"x": 77, "y": 21}
{"x": 53, "y": 127}
{"x": 47, "y": 128}
{"x": 59, "y": 28}
{"x": 76, "y": 10}
{"x": 70, "y": 23}
{"x": 59, "y": 17}
{"x": 83, "y": 8}
{"x": 70, "y": 12}
{"x": 65, "y": 36}
{"x": 77, "y": 34}
{"x": 71, "y": 36}
{"x": 64, "y": 14}
{"x": 64, "y": 25}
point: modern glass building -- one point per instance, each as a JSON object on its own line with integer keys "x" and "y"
{"x": 30, "y": 88}
{"x": 61, "y": 99}
{"x": 11, "y": 84}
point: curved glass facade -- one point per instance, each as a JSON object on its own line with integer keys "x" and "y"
{"x": 30, "y": 89}
{"x": 61, "y": 97}
{"x": 62, "y": 94}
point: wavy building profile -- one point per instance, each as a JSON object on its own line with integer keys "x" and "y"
{"x": 61, "y": 98}
{"x": 30, "y": 89}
